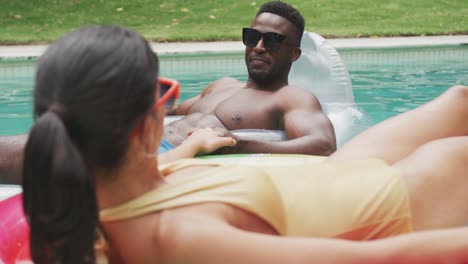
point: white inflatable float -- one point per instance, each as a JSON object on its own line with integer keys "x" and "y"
{"x": 320, "y": 71}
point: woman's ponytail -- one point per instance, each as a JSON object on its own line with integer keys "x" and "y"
{"x": 58, "y": 195}
{"x": 89, "y": 92}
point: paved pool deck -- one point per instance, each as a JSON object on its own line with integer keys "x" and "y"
{"x": 26, "y": 51}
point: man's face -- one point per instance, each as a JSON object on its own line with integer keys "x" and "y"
{"x": 266, "y": 65}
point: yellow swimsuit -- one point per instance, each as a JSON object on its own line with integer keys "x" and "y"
{"x": 358, "y": 200}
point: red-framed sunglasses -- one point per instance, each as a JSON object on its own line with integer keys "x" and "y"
{"x": 169, "y": 93}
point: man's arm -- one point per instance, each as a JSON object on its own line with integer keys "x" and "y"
{"x": 11, "y": 158}
{"x": 307, "y": 127}
{"x": 184, "y": 107}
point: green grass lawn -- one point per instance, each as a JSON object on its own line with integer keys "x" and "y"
{"x": 39, "y": 21}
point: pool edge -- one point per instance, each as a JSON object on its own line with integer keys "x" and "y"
{"x": 34, "y": 51}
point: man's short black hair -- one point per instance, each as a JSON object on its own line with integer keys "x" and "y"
{"x": 287, "y": 11}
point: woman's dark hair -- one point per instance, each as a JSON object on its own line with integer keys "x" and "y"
{"x": 91, "y": 88}
{"x": 287, "y": 11}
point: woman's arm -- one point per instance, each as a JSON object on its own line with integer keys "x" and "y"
{"x": 212, "y": 243}
{"x": 432, "y": 246}
{"x": 199, "y": 142}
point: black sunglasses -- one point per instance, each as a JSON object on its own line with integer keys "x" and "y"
{"x": 271, "y": 41}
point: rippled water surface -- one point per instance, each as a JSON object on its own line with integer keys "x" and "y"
{"x": 385, "y": 81}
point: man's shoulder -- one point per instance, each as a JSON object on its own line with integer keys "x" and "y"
{"x": 223, "y": 84}
{"x": 226, "y": 81}
{"x": 293, "y": 91}
{"x": 294, "y": 97}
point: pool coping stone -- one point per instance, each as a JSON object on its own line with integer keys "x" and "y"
{"x": 32, "y": 51}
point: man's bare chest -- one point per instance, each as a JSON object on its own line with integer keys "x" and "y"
{"x": 245, "y": 110}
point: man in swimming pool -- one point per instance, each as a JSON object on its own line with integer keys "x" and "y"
{"x": 265, "y": 101}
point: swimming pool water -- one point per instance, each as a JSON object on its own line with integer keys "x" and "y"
{"x": 389, "y": 82}
{"x": 16, "y": 79}
{"x": 385, "y": 81}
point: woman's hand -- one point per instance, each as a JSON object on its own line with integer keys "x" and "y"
{"x": 207, "y": 140}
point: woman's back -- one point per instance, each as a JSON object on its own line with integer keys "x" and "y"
{"x": 149, "y": 236}
{"x": 287, "y": 200}
{"x": 161, "y": 237}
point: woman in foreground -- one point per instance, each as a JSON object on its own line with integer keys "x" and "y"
{"x": 91, "y": 175}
